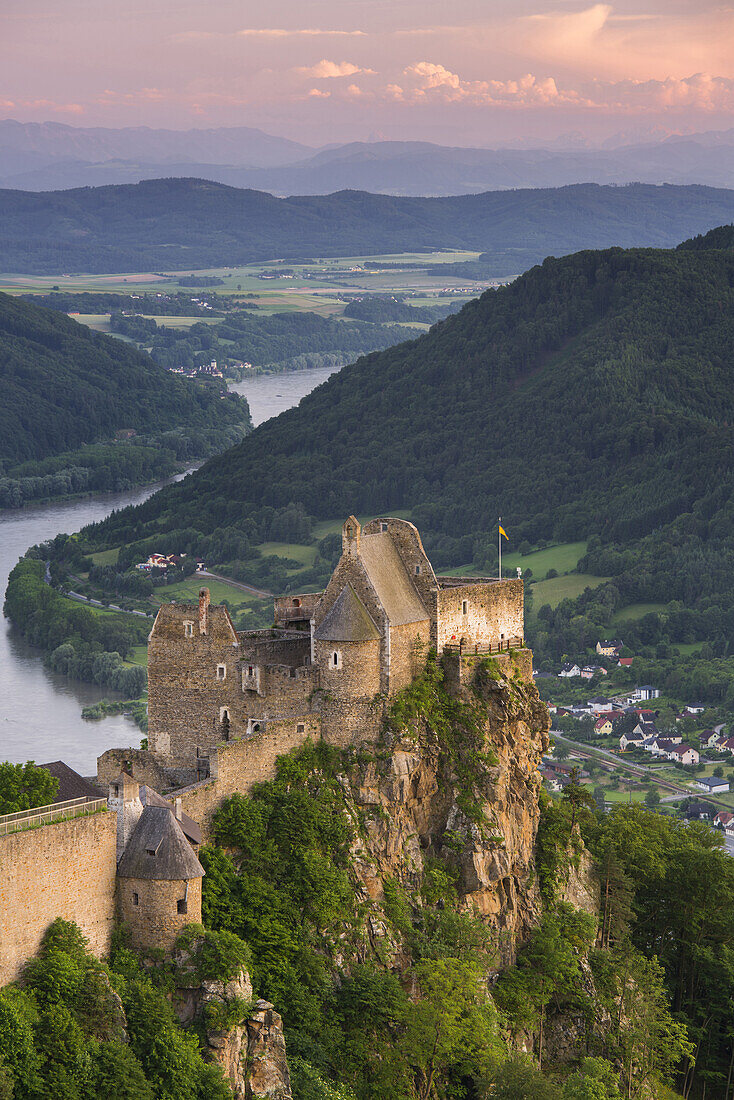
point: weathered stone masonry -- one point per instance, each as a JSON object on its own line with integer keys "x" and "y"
{"x": 332, "y": 660}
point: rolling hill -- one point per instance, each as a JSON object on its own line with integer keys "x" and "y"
{"x": 592, "y": 397}
{"x": 64, "y": 386}
{"x": 170, "y": 224}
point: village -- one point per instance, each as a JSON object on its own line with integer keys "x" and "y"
{"x": 634, "y": 745}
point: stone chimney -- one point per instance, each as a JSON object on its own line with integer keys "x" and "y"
{"x": 203, "y": 610}
{"x": 351, "y": 532}
{"x": 124, "y": 798}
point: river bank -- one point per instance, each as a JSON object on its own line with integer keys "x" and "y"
{"x": 40, "y": 711}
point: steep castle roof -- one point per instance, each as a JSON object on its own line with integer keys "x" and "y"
{"x": 347, "y": 620}
{"x": 158, "y": 849}
{"x": 395, "y": 590}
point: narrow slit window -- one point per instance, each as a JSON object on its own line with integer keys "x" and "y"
{"x": 221, "y": 672}
{"x": 417, "y": 570}
{"x": 136, "y": 899}
{"x": 464, "y": 606}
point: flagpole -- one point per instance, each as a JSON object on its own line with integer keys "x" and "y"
{"x": 499, "y": 543}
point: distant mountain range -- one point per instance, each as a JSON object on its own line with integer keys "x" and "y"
{"x": 170, "y": 224}
{"x": 53, "y": 156}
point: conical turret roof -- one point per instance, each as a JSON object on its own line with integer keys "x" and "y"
{"x": 348, "y": 620}
{"x": 158, "y": 849}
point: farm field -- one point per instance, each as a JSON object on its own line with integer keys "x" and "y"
{"x": 563, "y": 588}
{"x": 636, "y": 611}
{"x": 296, "y": 551}
{"x": 188, "y": 590}
{"x": 563, "y": 558}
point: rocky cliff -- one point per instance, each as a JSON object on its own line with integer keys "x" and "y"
{"x": 455, "y": 786}
{"x": 242, "y": 1035}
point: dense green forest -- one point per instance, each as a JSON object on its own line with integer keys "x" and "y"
{"x": 68, "y": 391}
{"x": 183, "y": 223}
{"x": 79, "y": 1029}
{"x": 389, "y": 307}
{"x": 149, "y": 303}
{"x": 77, "y": 641}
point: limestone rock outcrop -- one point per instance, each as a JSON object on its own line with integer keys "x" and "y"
{"x": 417, "y": 803}
{"x": 243, "y": 1036}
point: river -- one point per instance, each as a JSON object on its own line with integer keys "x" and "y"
{"x": 40, "y": 712}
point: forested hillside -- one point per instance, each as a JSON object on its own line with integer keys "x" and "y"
{"x": 64, "y": 385}
{"x": 592, "y": 397}
{"x": 170, "y": 224}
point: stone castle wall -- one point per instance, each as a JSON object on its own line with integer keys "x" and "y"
{"x": 66, "y": 869}
{"x": 494, "y": 611}
{"x": 238, "y": 765}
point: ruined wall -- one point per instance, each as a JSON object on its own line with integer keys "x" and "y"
{"x": 460, "y": 670}
{"x": 494, "y": 611}
{"x": 142, "y": 764}
{"x": 185, "y": 695}
{"x": 281, "y": 691}
{"x": 66, "y": 869}
{"x": 155, "y": 920}
{"x": 409, "y": 645}
{"x": 273, "y": 647}
{"x": 409, "y": 546}
{"x": 237, "y": 766}
{"x": 298, "y": 608}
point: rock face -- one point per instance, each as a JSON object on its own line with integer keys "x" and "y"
{"x": 416, "y": 803}
{"x": 243, "y": 1036}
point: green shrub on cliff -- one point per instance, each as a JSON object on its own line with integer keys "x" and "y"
{"x": 78, "y": 1030}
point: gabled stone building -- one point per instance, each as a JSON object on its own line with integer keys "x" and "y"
{"x": 332, "y": 660}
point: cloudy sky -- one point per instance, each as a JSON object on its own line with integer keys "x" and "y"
{"x": 467, "y": 72}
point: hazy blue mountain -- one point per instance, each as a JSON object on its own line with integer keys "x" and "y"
{"x": 48, "y": 156}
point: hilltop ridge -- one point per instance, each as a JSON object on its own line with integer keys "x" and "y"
{"x": 169, "y": 224}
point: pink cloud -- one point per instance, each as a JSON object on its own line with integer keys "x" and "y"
{"x": 327, "y": 70}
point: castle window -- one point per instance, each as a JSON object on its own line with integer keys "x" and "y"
{"x": 150, "y": 851}
{"x": 224, "y": 714}
{"x": 182, "y": 906}
{"x": 336, "y": 659}
{"x": 136, "y": 899}
{"x": 221, "y": 672}
{"x": 464, "y": 606}
{"x": 250, "y": 670}
{"x": 417, "y": 570}
{"x": 189, "y": 629}
{"x": 296, "y": 603}
{"x": 300, "y": 728}
{"x": 115, "y": 790}
{"x": 383, "y": 527}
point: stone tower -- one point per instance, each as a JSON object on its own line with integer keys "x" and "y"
{"x": 159, "y": 880}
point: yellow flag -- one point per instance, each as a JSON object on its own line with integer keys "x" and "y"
{"x": 503, "y": 532}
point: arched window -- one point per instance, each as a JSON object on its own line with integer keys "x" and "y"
{"x": 296, "y": 603}
{"x": 335, "y": 660}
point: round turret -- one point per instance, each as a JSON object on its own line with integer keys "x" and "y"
{"x": 159, "y": 880}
